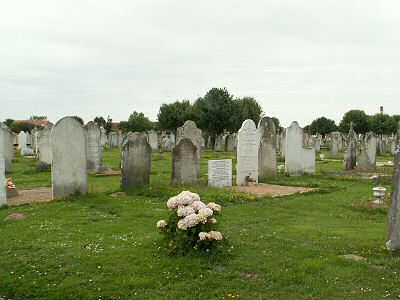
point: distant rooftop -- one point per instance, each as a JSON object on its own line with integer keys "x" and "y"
{"x": 38, "y": 123}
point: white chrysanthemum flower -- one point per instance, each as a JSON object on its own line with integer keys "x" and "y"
{"x": 184, "y": 211}
{"x": 161, "y": 224}
{"x": 214, "y": 206}
{"x": 172, "y": 203}
{"x": 191, "y": 220}
{"x": 215, "y": 235}
{"x": 204, "y": 236}
{"x": 197, "y": 205}
{"x": 213, "y": 221}
{"x": 182, "y": 224}
{"x": 208, "y": 212}
{"x": 187, "y": 198}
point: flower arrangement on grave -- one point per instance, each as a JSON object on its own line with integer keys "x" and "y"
{"x": 190, "y": 226}
{"x": 9, "y": 184}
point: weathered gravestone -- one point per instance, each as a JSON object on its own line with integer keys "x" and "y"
{"x": 103, "y": 137}
{"x": 28, "y": 138}
{"x": 153, "y": 140}
{"x": 220, "y": 172}
{"x": 282, "y": 142}
{"x": 33, "y": 139}
{"x": 21, "y": 140}
{"x": 267, "y": 150}
{"x": 3, "y": 193}
{"x": 370, "y": 141}
{"x": 185, "y": 162}
{"x": 363, "y": 162}
{"x": 393, "y": 230}
{"x": 219, "y": 144}
{"x": 135, "y": 160}
{"x": 68, "y": 161}
{"x": 166, "y": 142}
{"x": 297, "y": 158}
{"x": 335, "y": 144}
{"x": 351, "y": 150}
{"x": 113, "y": 139}
{"x": 8, "y": 146}
{"x": 93, "y": 146}
{"x": 230, "y": 142}
{"x": 189, "y": 130}
{"x": 247, "y": 153}
{"x": 44, "y": 145}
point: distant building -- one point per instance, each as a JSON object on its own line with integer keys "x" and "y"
{"x": 37, "y": 123}
{"x": 381, "y": 109}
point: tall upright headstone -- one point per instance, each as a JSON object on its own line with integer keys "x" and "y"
{"x": 103, "y": 137}
{"x": 185, "y": 162}
{"x": 370, "y": 141}
{"x": 8, "y": 137}
{"x": 219, "y": 144}
{"x": 43, "y": 144}
{"x": 28, "y": 138}
{"x": 282, "y": 142}
{"x": 230, "y": 142}
{"x": 153, "y": 140}
{"x": 247, "y": 153}
{"x": 298, "y": 159}
{"x": 267, "y": 150}
{"x": 21, "y": 140}
{"x": 335, "y": 145}
{"x": 33, "y": 139}
{"x": 93, "y": 146}
{"x": 3, "y": 193}
{"x": 189, "y": 130}
{"x": 393, "y": 229}
{"x": 68, "y": 161}
{"x": 351, "y": 150}
{"x": 135, "y": 160}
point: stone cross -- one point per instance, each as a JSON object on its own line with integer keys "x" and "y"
{"x": 247, "y": 153}
{"x": 135, "y": 160}
{"x": 267, "y": 166}
{"x": 68, "y": 161}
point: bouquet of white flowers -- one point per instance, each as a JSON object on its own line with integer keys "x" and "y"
{"x": 190, "y": 224}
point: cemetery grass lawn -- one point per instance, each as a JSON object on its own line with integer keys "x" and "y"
{"x": 99, "y": 247}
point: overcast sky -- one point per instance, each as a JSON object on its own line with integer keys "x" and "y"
{"x": 299, "y": 59}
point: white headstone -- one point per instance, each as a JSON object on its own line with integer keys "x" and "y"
{"x": 21, "y": 140}
{"x": 93, "y": 147}
{"x": 28, "y": 138}
{"x": 220, "y": 172}
{"x": 219, "y": 144}
{"x": 247, "y": 153}
{"x": 152, "y": 139}
{"x": 68, "y": 167}
{"x": 103, "y": 136}
{"x": 43, "y": 144}
{"x": 8, "y": 137}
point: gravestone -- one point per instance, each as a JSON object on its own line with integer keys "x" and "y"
{"x": 351, "y": 150}
{"x": 153, "y": 140}
{"x": 167, "y": 142}
{"x": 103, "y": 137}
{"x": 185, "y": 162}
{"x": 28, "y": 138}
{"x": 8, "y": 137}
{"x": 363, "y": 162}
{"x": 230, "y": 142}
{"x": 93, "y": 146}
{"x": 33, "y": 139}
{"x": 298, "y": 159}
{"x": 267, "y": 166}
{"x": 220, "y": 172}
{"x": 44, "y": 145}
{"x": 370, "y": 141}
{"x": 21, "y": 140}
{"x": 317, "y": 143}
{"x": 247, "y": 153}
{"x": 135, "y": 160}
{"x": 219, "y": 145}
{"x": 282, "y": 142}
{"x": 189, "y": 130}
{"x": 335, "y": 145}
{"x": 209, "y": 142}
{"x": 120, "y": 139}
{"x": 15, "y": 138}
{"x": 113, "y": 139}
{"x": 3, "y": 193}
{"x": 393, "y": 229}
{"x": 68, "y": 161}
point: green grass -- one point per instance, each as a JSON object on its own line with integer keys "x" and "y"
{"x": 99, "y": 247}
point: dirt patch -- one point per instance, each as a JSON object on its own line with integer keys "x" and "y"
{"x": 30, "y": 196}
{"x": 262, "y": 189}
{"x": 353, "y": 257}
{"x": 15, "y": 217}
{"x": 117, "y": 194}
{"x": 250, "y": 276}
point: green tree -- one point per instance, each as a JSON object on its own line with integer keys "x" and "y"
{"x": 322, "y": 126}
{"x": 396, "y": 118}
{"x": 108, "y": 126}
{"x": 18, "y": 127}
{"x": 173, "y": 115}
{"x": 277, "y": 123}
{"x": 383, "y": 124}
{"x": 215, "y": 111}
{"x": 8, "y": 122}
{"x": 100, "y": 121}
{"x": 79, "y": 119}
{"x": 245, "y": 108}
{"x": 359, "y": 119}
{"x": 137, "y": 122}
